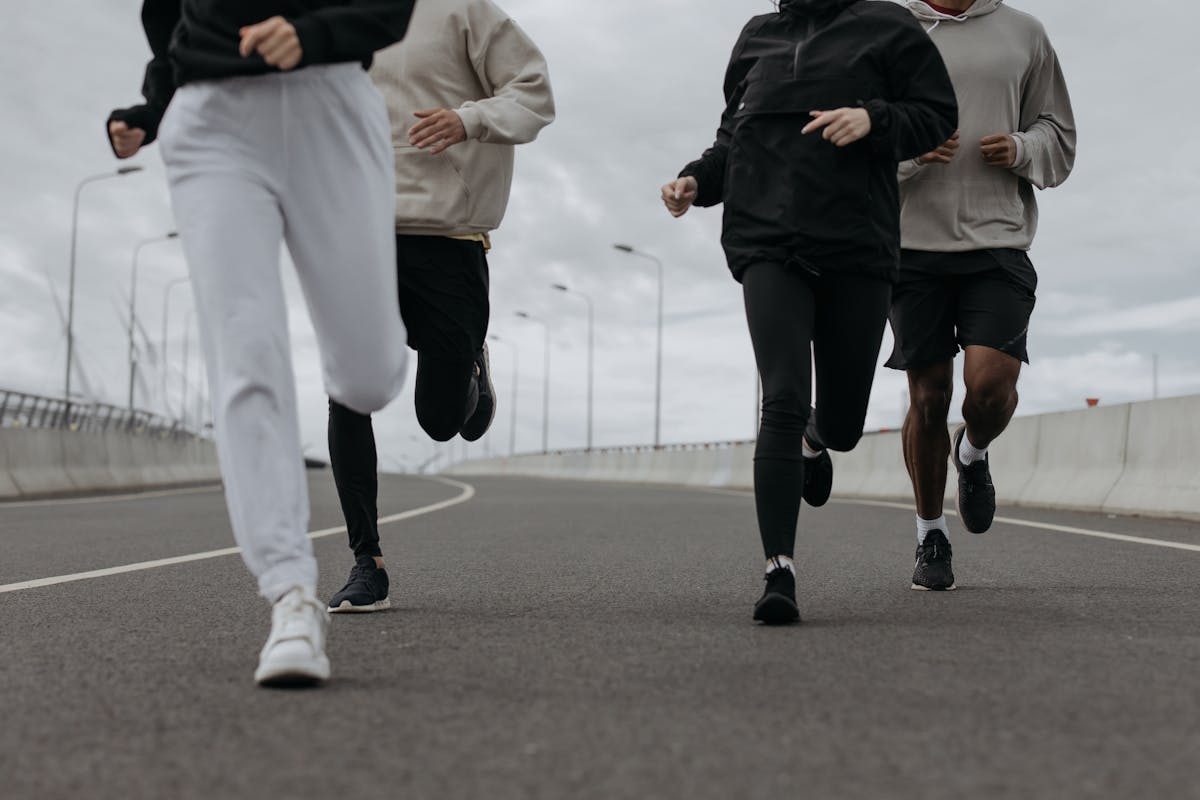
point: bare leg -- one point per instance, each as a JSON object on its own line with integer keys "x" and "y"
{"x": 926, "y": 440}
{"x": 991, "y": 378}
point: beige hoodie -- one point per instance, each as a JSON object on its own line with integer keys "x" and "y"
{"x": 466, "y": 55}
{"x": 1008, "y": 80}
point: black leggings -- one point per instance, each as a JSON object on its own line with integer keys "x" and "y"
{"x": 797, "y": 321}
{"x": 442, "y": 385}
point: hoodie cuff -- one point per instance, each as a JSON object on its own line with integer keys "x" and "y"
{"x": 1023, "y": 155}
{"x": 880, "y": 137}
{"x": 472, "y": 121}
{"x": 143, "y": 117}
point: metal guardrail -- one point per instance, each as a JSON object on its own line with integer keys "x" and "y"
{"x": 20, "y": 410}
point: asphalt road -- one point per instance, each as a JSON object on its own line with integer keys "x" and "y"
{"x": 571, "y": 640}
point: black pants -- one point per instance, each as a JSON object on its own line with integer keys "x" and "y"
{"x": 797, "y": 322}
{"x": 444, "y": 303}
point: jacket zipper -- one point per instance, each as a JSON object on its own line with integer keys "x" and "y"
{"x": 812, "y": 29}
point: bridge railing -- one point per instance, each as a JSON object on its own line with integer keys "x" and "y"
{"x": 21, "y": 410}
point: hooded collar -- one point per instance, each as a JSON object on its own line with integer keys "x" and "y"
{"x": 922, "y": 11}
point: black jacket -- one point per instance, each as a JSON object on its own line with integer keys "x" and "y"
{"x": 798, "y": 198}
{"x": 198, "y": 39}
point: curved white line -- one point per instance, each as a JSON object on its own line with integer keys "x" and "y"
{"x": 466, "y": 494}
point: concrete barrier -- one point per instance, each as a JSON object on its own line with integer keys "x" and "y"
{"x": 39, "y": 462}
{"x": 1162, "y": 473}
{"x": 1133, "y": 459}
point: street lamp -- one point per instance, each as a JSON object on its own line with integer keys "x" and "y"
{"x": 591, "y": 355}
{"x": 546, "y": 387}
{"x": 165, "y": 317}
{"x": 121, "y": 172}
{"x": 625, "y": 248}
{"x": 183, "y": 373}
{"x": 512, "y": 426}
{"x": 133, "y": 305}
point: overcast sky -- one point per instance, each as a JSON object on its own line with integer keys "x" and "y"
{"x": 638, "y": 89}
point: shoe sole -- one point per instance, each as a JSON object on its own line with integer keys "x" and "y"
{"x": 293, "y": 674}
{"x": 918, "y": 587}
{"x": 776, "y": 610}
{"x": 469, "y": 430}
{"x": 347, "y": 608}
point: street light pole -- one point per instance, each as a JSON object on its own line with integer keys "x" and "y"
{"x": 625, "y": 248}
{"x": 133, "y": 305}
{"x": 165, "y": 317}
{"x": 512, "y": 427}
{"x": 591, "y": 356}
{"x": 123, "y": 171}
{"x": 183, "y": 373}
{"x": 546, "y": 385}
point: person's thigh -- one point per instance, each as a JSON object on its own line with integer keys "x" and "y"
{"x": 780, "y": 313}
{"x": 444, "y": 289}
{"x": 995, "y": 307}
{"x": 922, "y": 316}
{"x": 852, "y": 311}
{"x": 339, "y": 205}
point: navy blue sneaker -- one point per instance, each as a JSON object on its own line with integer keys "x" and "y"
{"x": 777, "y": 606}
{"x": 366, "y": 590}
{"x": 933, "y": 572}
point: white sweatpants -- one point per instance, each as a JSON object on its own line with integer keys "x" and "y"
{"x": 303, "y": 157}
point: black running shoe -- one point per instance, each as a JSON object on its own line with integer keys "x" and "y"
{"x": 485, "y": 411}
{"x": 818, "y": 479}
{"x": 777, "y": 606}
{"x": 976, "y": 494}
{"x": 933, "y": 572}
{"x": 366, "y": 590}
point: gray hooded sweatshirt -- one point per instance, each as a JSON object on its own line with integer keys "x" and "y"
{"x": 469, "y": 56}
{"x": 1008, "y": 80}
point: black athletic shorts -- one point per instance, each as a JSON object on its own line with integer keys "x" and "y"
{"x": 944, "y": 301}
{"x": 443, "y": 295}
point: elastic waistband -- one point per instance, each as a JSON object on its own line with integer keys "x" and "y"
{"x": 317, "y": 73}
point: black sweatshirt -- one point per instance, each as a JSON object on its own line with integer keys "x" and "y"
{"x": 797, "y": 198}
{"x": 195, "y": 40}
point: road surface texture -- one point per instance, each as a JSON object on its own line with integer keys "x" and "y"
{"x": 573, "y": 640}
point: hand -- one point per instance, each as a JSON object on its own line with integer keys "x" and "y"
{"x": 842, "y": 126}
{"x": 944, "y": 154}
{"x": 126, "y": 141}
{"x": 679, "y": 194}
{"x": 439, "y": 128}
{"x": 275, "y": 40}
{"x": 999, "y": 150}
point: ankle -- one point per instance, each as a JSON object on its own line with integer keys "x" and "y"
{"x": 780, "y": 562}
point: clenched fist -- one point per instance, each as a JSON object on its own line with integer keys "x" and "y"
{"x": 679, "y": 194}
{"x": 439, "y": 128}
{"x": 944, "y": 154}
{"x": 275, "y": 40}
{"x": 126, "y": 141}
{"x": 999, "y": 150}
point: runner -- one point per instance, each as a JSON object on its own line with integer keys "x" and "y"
{"x": 273, "y": 132}
{"x": 465, "y": 86}
{"x": 968, "y": 218}
{"x": 823, "y": 99}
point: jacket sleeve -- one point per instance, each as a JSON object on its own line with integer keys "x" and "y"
{"x": 159, "y": 19}
{"x": 920, "y": 111}
{"x": 709, "y": 169}
{"x": 513, "y": 72}
{"x": 351, "y": 32}
{"x": 1046, "y": 141}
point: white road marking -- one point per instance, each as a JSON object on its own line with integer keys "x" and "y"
{"x": 1023, "y": 523}
{"x": 466, "y": 494}
{"x": 110, "y": 498}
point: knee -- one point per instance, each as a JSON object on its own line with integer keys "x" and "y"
{"x": 842, "y": 441}
{"x": 991, "y": 395}
{"x": 785, "y": 413}
{"x": 931, "y": 402}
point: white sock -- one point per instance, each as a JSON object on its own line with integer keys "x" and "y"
{"x": 775, "y": 562}
{"x": 969, "y": 453}
{"x": 924, "y": 526}
{"x": 810, "y": 453}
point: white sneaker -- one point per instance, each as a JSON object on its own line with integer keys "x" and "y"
{"x": 294, "y": 654}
